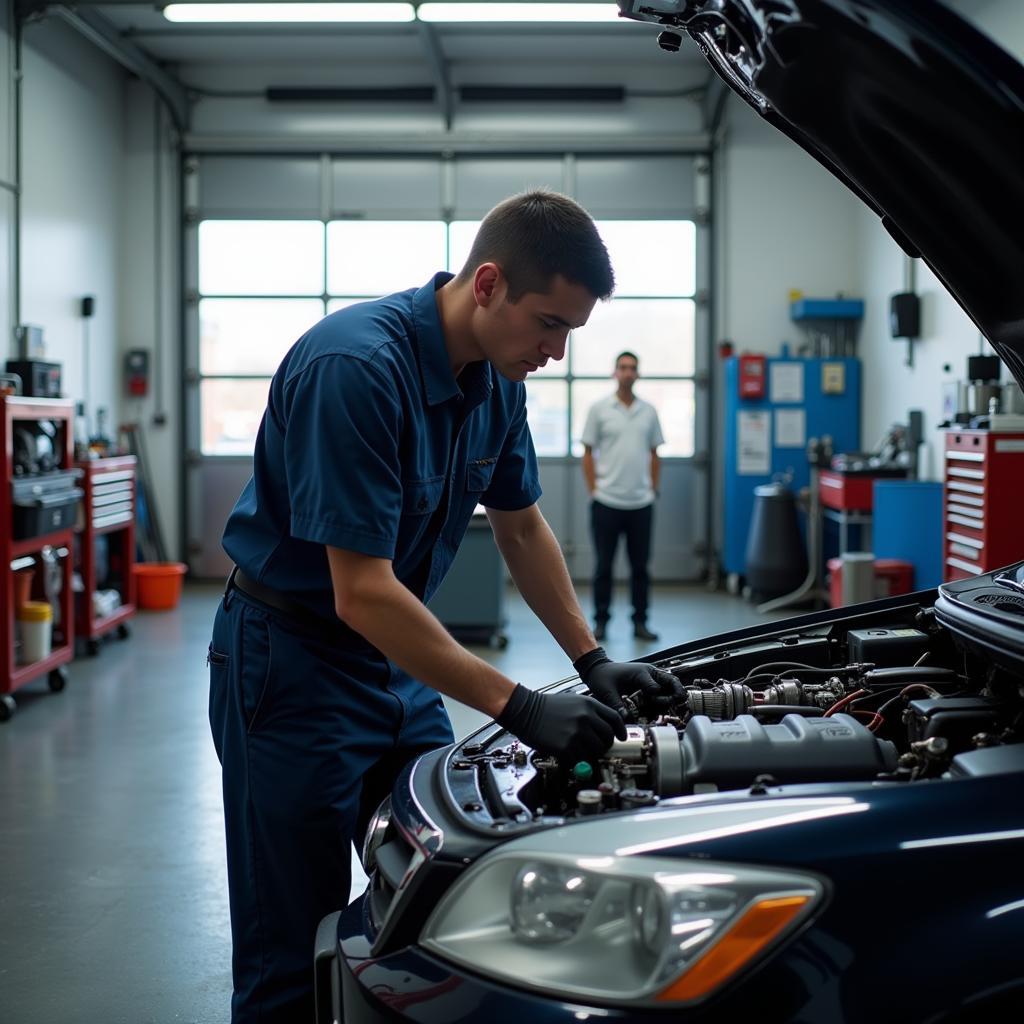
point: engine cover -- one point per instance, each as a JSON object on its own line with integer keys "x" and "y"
{"x": 728, "y": 755}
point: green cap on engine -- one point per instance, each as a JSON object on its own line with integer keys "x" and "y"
{"x": 582, "y": 770}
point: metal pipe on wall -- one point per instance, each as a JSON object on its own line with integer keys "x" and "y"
{"x": 16, "y": 42}
{"x": 159, "y": 412}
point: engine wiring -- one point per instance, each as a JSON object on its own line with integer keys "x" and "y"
{"x": 875, "y": 719}
{"x": 848, "y": 699}
{"x": 903, "y": 693}
{"x": 777, "y": 667}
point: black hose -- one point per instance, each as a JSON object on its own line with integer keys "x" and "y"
{"x": 880, "y": 678}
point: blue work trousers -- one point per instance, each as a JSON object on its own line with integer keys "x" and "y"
{"x": 310, "y": 736}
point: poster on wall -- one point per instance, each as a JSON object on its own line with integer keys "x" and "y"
{"x": 754, "y": 443}
{"x": 786, "y": 382}
{"x": 790, "y": 428}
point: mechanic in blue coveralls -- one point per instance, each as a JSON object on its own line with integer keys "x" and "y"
{"x": 385, "y": 425}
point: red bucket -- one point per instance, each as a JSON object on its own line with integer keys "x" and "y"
{"x": 158, "y": 584}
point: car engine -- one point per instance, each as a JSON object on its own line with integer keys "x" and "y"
{"x": 895, "y": 699}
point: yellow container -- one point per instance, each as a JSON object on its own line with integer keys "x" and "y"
{"x": 35, "y": 611}
{"x": 35, "y": 626}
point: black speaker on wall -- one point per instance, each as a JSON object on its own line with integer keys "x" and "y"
{"x": 905, "y": 315}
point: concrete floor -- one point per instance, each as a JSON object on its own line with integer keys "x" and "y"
{"x": 113, "y": 897}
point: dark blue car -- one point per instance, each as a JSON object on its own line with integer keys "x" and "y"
{"x": 829, "y": 826}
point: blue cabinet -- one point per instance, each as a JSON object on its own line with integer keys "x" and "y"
{"x": 908, "y": 525}
{"x": 804, "y": 398}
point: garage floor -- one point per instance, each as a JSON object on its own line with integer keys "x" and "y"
{"x": 113, "y": 898}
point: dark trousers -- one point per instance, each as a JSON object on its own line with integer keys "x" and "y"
{"x": 310, "y": 739}
{"x": 607, "y": 525}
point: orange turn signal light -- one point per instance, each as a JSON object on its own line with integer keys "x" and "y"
{"x": 748, "y": 937}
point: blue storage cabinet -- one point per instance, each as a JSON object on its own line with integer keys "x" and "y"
{"x": 835, "y": 414}
{"x": 908, "y": 525}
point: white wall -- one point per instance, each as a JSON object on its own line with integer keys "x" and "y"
{"x": 72, "y": 159}
{"x": 88, "y": 228}
{"x": 783, "y": 222}
{"x": 150, "y": 320}
{"x": 947, "y": 335}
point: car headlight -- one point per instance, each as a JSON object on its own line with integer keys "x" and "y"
{"x": 375, "y": 831}
{"x": 616, "y": 929}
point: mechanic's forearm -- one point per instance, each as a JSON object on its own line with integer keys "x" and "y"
{"x": 535, "y": 561}
{"x": 655, "y": 473}
{"x": 399, "y": 625}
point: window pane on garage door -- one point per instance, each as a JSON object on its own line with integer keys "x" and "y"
{"x": 460, "y": 240}
{"x": 673, "y": 400}
{"x": 251, "y": 336}
{"x": 547, "y": 407}
{"x": 231, "y": 411}
{"x": 261, "y": 257}
{"x": 370, "y": 258}
{"x": 659, "y": 331}
{"x": 651, "y": 257}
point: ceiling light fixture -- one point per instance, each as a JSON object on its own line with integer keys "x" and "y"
{"x": 518, "y": 12}
{"x": 291, "y": 12}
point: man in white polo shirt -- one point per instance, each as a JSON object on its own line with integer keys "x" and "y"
{"x": 621, "y": 468}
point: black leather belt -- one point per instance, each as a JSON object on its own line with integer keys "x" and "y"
{"x": 299, "y": 615}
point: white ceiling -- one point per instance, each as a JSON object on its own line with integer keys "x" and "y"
{"x": 623, "y": 53}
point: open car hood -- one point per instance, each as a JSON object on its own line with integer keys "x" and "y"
{"x": 917, "y": 112}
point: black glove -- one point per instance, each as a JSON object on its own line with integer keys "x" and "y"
{"x": 610, "y": 681}
{"x": 564, "y": 724}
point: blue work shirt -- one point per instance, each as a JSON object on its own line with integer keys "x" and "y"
{"x": 369, "y": 443}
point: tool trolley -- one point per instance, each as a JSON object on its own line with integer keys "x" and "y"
{"x": 38, "y": 505}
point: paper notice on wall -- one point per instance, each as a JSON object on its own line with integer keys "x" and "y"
{"x": 790, "y": 428}
{"x": 786, "y": 382}
{"x": 754, "y": 444}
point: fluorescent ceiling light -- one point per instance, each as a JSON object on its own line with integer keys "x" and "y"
{"x": 519, "y": 12}
{"x": 293, "y": 12}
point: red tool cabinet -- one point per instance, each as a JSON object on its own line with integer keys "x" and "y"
{"x": 984, "y": 484}
{"x": 109, "y": 513}
{"x": 13, "y": 675}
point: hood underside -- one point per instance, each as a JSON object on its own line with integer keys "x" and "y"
{"x": 917, "y": 112}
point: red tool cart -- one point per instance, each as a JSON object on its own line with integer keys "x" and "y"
{"x": 106, "y": 549}
{"x": 984, "y": 481}
{"x": 38, "y": 503}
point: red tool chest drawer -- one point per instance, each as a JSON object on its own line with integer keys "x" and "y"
{"x": 841, "y": 491}
{"x": 984, "y": 481}
{"x": 853, "y": 491}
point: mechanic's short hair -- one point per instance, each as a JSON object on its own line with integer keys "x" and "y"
{"x": 537, "y": 235}
{"x": 627, "y": 355}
